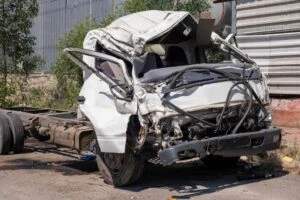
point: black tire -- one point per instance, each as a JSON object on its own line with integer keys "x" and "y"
{"x": 120, "y": 169}
{"x": 5, "y": 136}
{"x": 17, "y": 130}
{"x": 219, "y": 162}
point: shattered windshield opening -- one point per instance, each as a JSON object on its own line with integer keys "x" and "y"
{"x": 214, "y": 54}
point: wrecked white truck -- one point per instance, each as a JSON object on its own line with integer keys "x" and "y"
{"x": 150, "y": 95}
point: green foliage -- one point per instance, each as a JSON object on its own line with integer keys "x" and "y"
{"x": 16, "y": 41}
{"x": 16, "y": 44}
{"x": 192, "y": 6}
{"x": 69, "y": 75}
{"x": 132, "y": 6}
{"x": 215, "y": 55}
{"x": 37, "y": 97}
{"x": 47, "y": 97}
{"x": 63, "y": 67}
{"x": 7, "y": 93}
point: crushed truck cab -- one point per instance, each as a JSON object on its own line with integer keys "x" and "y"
{"x": 152, "y": 94}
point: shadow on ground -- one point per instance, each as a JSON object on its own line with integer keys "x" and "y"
{"x": 195, "y": 179}
{"x": 61, "y": 160}
{"x": 188, "y": 179}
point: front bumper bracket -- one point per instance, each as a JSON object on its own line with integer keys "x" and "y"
{"x": 232, "y": 145}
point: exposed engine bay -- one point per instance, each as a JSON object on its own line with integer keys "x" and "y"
{"x": 241, "y": 110}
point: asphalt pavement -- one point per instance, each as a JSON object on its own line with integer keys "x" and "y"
{"x": 46, "y": 172}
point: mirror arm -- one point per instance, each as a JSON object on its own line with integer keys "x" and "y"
{"x": 235, "y": 41}
{"x": 129, "y": 92}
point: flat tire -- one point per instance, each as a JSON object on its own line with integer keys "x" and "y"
{"x": 17, "y": 130}
{"x": 120, "y": 169}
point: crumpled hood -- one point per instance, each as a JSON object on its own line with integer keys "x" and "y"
{"x": 130, "y": 33}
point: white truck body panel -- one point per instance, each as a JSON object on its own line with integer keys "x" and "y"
{"x": 99, "y": 107}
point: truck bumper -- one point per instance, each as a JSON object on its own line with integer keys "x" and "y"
{"x": 232, "y": 145}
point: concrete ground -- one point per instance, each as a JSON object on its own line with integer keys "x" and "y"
{"x": 49, "y": 173}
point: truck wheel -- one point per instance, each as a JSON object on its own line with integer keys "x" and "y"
{"x": 5, "y": 136}
{"x": 120, "y": 169}
{"x": 17, "y": 129}
{"x": 217, "y": 162}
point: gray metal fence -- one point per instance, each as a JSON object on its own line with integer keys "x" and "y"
{"x": 57, "y": 17}
{"x": 269, "y": 32}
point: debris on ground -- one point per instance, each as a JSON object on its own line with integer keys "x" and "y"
{"x": 87, "y": 156}
{"x": 175, "y": 198}
{"x": 253, "y": 172}
{"x": 286, "y": 158}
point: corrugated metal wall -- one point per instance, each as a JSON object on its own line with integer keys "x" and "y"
{"x": 269, "y": 32}
{"x": 56, "y": 17}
